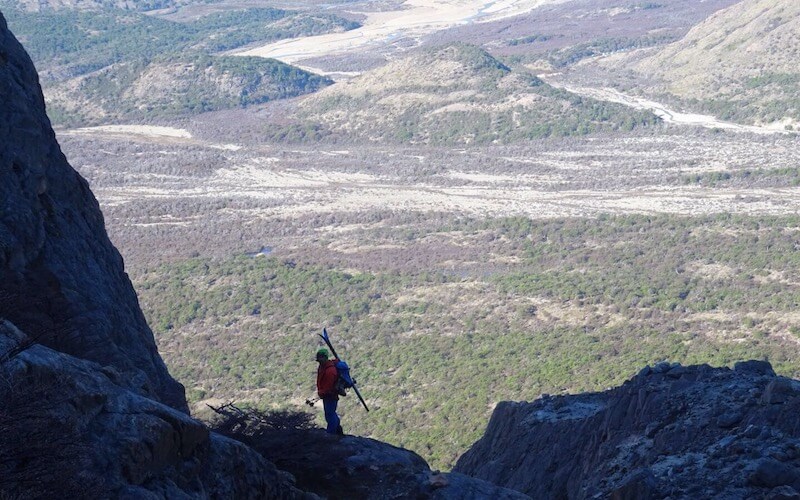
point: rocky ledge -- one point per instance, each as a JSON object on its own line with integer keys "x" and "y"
{"x": 72, "y": 429}
{"x": 670, "y": 432}
{"x": 350, "y": 467}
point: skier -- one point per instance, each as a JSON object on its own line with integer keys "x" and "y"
{"x": 326, "y": 389}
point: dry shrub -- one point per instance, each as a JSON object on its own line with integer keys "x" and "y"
{"x": 248, "y": 425}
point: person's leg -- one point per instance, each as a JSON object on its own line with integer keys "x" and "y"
{"x": 331, "y": 417}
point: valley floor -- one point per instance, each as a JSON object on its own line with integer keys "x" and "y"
{"x": 439, "y": 267}
{"x": 688, "y": 173}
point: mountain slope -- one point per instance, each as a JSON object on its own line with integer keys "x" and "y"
{"x": 742, "y": 62}
{"x": 173, "y": 87}
{"x": 119, "y": 65}
{"x": 61, "y": 279}
{"x": 458, "y": 94}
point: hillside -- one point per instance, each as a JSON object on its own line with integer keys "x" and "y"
{"x": 119, "y": 65}
{"x": 53, "y": 5}
{"x": 458, "y": 94}
{"x": 176, "y": 87}
{"x": 741, "y": 63}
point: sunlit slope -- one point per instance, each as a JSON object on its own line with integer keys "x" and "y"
{"x": 115, "y": 65}
{"x": 51, "y": 5}
{"x": 174, "y": 87}
{"x": 458, "y": 93}
{"x": 742, "y": 62}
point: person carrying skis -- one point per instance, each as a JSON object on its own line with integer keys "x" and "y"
{"x": 326, "y": 389}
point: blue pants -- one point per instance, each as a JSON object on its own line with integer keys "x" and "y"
{"x": 331, "y": 417}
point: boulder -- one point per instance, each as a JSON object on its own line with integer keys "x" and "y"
{"x": 679, "y": 432}
{"x": 350, "y": 467}
{"x": 71, "y": 429}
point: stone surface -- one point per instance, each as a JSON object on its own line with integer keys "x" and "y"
{"x": 677, "y": 432}
{"x": 350, "y": 467}
{"x": 754, "y": 366}
{"x": 90, "y": 427}
{"x": 783, "y": 493}
{"x": 61, "y": 279}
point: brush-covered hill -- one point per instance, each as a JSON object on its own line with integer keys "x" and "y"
{"x": 174, "y": 87}
{"x": 136, "y": 5}
{"x": 743, "y": 63}
{"x": 117, "y": 65}
{"x": 458, "y": 94}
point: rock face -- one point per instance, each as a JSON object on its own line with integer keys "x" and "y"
{"x": 671, "y": 431}
{"x": 352, "y": 467}
{"x": 72, "y": 430}
{"x": 61, "y": 279}
{"x": 87, "y": 407}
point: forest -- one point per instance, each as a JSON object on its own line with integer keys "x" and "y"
{"x": 575, "y": 305}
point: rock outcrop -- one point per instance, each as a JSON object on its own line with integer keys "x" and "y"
{"x": 71, "y": 429}
{"x": 61, "y": 279}
{"x": 349, "y": 467}
{"x": 670, "y": 432}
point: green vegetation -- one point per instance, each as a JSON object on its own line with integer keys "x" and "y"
{"x": 529, "y": 39}
{"x": 575, "y": 53}
{"x": 459, "y": 94}
{"x": 767, "y": 98}
{"x": 787, "y": 176}
{"x": 238, "y": 28}
{"x": 780, "y": 79}
{"x": 189, "y": 85}
{"x": 115, "y": 48}
{"x": 81, "y": 42}
{"x": 84, "y": 41}
{"x": 585, "y": 304}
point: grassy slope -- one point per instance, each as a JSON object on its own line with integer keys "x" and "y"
{"x": 586, "y": 304}
{"x": 459, "y": 94}
{"x": 93, "y": 62}
{"x": 741, "y": 63}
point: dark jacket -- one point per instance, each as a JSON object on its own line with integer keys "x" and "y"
{"x": 326, "y": 380}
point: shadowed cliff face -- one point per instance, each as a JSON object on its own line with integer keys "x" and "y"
{"x": 672, "y": 431}
{"x": 85, "y": 414}
{"x": 70, "y": 429}
{"x": 61, "y": 279}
